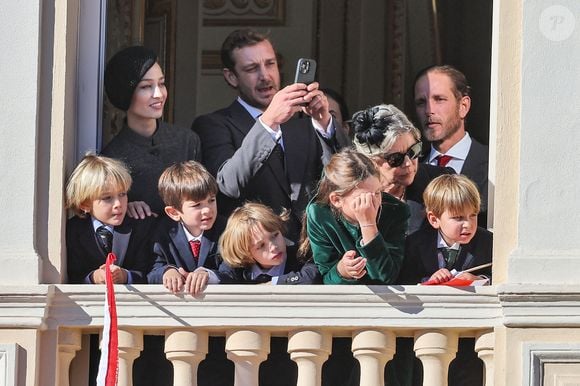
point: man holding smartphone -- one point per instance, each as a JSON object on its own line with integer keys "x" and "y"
{"x": 256, "y": 147}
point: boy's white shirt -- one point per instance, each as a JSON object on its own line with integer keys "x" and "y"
{"x": 213, "y": 278}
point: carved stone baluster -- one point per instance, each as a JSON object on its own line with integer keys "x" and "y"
{"x": 309, "y": 349}
{"x": 185, "y": 350}
{"x": 484, "y": 347}
{"x": 373, "y": 349}
{"x": 130, "y": 347}
{"x": 247, "y": 349}
{"x": 436, "y": 349}
{"x": 69, "y": 342}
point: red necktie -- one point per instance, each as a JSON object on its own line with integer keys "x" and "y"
{"x": 443, "y": 160}
{"x": 195, "y": 247}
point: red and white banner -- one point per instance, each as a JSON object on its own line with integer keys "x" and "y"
{"x": 109, "y": 363}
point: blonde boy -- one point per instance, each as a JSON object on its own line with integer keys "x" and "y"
{"x": 97, "y": 194}
{"x": 454, "y": 241}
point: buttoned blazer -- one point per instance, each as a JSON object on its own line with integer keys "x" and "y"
{"x": 237, "y": 150}
{"x": 131, "y": 246}
{"x": 171, "y": 249}
{"x": 421, "y": 252}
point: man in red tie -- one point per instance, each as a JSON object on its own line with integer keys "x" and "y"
{"x": 442, "y": 102}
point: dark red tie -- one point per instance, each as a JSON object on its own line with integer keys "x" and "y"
{"x": 195, "y": 247}
{"x": 443, "y": 160}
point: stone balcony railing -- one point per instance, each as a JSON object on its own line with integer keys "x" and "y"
{"x": 309, "y": 316}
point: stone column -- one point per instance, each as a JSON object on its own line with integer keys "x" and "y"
{"x": 247, "y": 349}
{"x": 130, "y": 347}
{"x": 484, "y": 347}
{"x": 20, "y": 200}
{"x": 185, "y": 350}
{"x": 309, "y": 349}
{"x": 373, "y": 349}
{"x": 436, "y": 349}
{"x": 69, "y": 342}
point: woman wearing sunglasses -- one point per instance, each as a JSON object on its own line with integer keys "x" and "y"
{"x": 387, "y": 136}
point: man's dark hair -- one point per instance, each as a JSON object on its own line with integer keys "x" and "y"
{"x": 238, "y": 39}
{"x": 461, "y": 87}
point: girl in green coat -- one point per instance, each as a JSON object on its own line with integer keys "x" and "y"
{"x": 355, "y": 232}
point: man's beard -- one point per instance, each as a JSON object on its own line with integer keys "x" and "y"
{"x": 446, "y": 131}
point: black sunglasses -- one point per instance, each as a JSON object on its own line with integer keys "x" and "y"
{"x": 396, "y": 159}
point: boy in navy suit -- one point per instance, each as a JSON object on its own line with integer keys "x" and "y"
{"x": 454, "y": 241}
{"x": 97, "y": 193}
{"x": 186, "y": 243}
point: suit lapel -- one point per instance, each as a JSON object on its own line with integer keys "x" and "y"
{"x": 466, "y": 258}
{"x": 206, "y": 247}
{"x": 429, "y": 253}
{"x": 88, "y": 240}
{"x": 240, "y": 118}
{"x": 180, "y": 242}
{"x": 121, "y": 237}
{"x": 295, "y": 145}
{"x": 243, "y": 122}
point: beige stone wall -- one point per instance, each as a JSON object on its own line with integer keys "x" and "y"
{"x": 28, "y": 360}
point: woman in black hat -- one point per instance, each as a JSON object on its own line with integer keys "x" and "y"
{"x": 134, "y": 83}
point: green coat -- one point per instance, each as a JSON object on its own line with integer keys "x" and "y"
{"x": 331, "y": 236}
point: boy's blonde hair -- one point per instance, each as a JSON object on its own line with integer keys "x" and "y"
{"x": 92, "y": 177}
{"x": 236, "y": 241}
{"x": 453, "y": 192}
{"x": 187, "y": 180}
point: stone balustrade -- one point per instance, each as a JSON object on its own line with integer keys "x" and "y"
{"x": 59, "y": 318}
{"x": 309, "y": 316}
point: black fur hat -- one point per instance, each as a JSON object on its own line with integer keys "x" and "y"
{"x": 124, "y": 71}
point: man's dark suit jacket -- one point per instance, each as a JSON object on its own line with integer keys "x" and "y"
{"x": 131, "y": 246}
{"x": 421, "y": 255}
{"x": 476, "y": 167}
{"x": 171, "y": 249}
{"x": 237, "y": 150}
{"x": 295, "y": 272}
{"x": 414, "y": 193}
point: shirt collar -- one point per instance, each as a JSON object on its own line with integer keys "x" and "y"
{"x": 191, "y": 237}
{"x": 275, "y": 271}
{"x": 96, "y": 224}
{"x": 253, "y": 111}
{"x": 442, "y": 244}
{"x": 457, "y": 151}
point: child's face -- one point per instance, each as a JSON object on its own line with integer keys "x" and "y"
{"x": 455, "y": 228}
{"x": 268, "y": 248}
{"x": 197, "y": 216}
{"x": 350, "y": 203}
{"x": 109, "y": 208}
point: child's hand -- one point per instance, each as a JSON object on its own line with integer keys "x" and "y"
{"x": 196, "y": 281}
{"x": 99, "y": 275}
{"x": 351, "y": 266}
{"x": 366, "y": 206}
{"x": 173, "y": 280}
{"x": 441, "y": 276}
{"x": 119, "y": 274}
